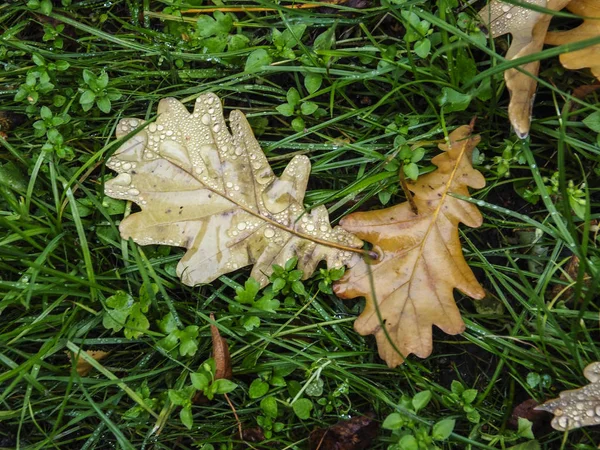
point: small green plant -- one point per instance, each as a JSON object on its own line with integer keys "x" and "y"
{"x": 512, "y": 154}
{"x": 283, "y": 46}
{"x": 139, "y": 413}
{"x": 286, "y": 282}
{"x": 268, "y": 419}
{"x": 296, "y": 107}
{"x": 410, "y": 434}
{"x": 418, "y": 33}
{"x": 183, "y": 398}
{"x": 204, "y": 380}
{"x": 124, "y": 312}
{"x": 39, "y": 80}
{"x": 52, "y": 34}
{"x": 333, "y": 401}
{"x": 575, "y": 194}
{"x": 96, "y": 91}
{"x": 247, "y": 296}
{"x": 49, "y": 125}
{"x": 462, "y": 399}
{"x": 43, "y": 6}
{"x": 408, "y": 159}
{"x": 327, "y": 277}
{"x": 186, "y": 339}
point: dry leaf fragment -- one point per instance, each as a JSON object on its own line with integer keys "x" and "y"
{"x": 220, "y": 353}
{"x": 578, "y": 407}
{"x": 421, "y": 259}
{"x": 528, "y": 29}
{"x": 82, "y": 366}
{"x": 357, "y": 433}
{"x": 590, "y": 28}
{"x": 213, "y": 192}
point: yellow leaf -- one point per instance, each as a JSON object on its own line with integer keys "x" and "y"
{"x": 590, "y": 28}
{"x": 214, "y": 193}
{"x": 578, "y": 407}
{"x": 528, "y": 29}
{"x": 410, "y": 286}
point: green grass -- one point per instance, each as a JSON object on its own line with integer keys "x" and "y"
{"x": 61, "y": 256}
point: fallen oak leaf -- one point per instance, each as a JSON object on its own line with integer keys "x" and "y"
{"x": 214, "y": 193}
{"x": 528, "y": 29}
{"x": 590, "y": 28}
{"x": 421, "y": 259}
{"x": 577, "y": 408}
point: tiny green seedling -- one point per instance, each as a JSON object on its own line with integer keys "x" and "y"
{"x": 298, "y": 108}
{"x": 96, "y": 91}
{"x": 186, "y": 339}
{"x": 247, "y": 296}
{"x": 410, "y": 434}
{"x": 462, "y": 399}
{"x": 123, "y": 311}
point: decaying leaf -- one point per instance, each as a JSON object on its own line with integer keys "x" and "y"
{"x": 357, "y": 433}
{"x": 590, "y": 28}
{"x": 82, "y": 366}
{"x": 410, "y": 287}
{"x": 578, "y": 407}
{"x": 220, "y": 353}
{"x": 528, "y": 29}
{"x": 214, "y": 193}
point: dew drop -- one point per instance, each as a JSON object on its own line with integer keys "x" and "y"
{"x": 205, "y": 119}
{"x": 123, "y": 179}
{"x": 563, "y": 421}
{"x": 269, "y": 233}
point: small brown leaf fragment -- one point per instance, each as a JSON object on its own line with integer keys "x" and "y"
{"x": 255, "y": 434}
{"x": 220, "y": 353}
{"x": 590, "y": 28}
{"x": 357, "y": 433}
{"x": 528, "y": 29}
{"x": 577, "y": 407}
{"x": 526, "y": 410}
{"x": 82, "y": 366}
{"x": 409, "y": 287}
{"x": 212, "y": 191}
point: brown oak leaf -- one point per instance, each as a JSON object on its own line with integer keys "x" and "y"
{"x": 214, "y": 193}
{"x": 528, "y": 29}
{"x": 590, "y": 28}
{"x": 577, "y": 407}
{"x": 410, "y": 286}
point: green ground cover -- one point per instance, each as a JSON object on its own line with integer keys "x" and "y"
{"x": 347, "y": 85}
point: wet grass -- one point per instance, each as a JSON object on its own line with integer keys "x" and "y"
{"x": 62, "y": 259}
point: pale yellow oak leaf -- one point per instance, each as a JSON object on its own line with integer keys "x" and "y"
{"x": 577, "y": 408}
{"x": 212, "y": 191}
